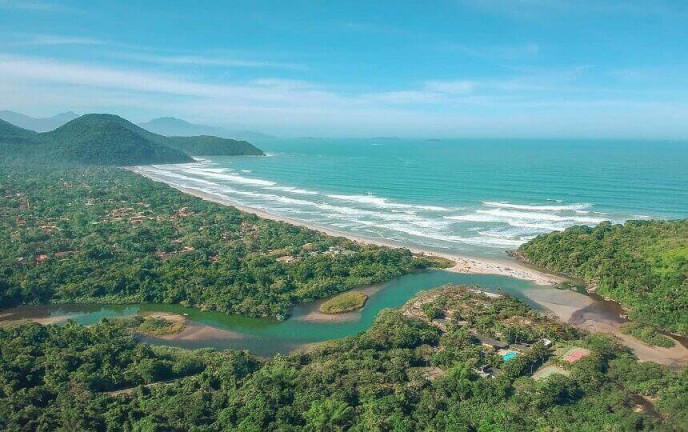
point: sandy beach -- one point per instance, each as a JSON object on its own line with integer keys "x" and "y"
{"x": 585, "y": 313}
{"x": 506, "y": 267}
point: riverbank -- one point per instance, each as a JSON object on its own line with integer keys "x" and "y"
{"x": 586, "y": 313}
{"x": 463, "y": 264}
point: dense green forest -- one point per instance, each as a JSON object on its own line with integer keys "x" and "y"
{"x": 105, "y": 139}
{"x": 107, "y": 235}
{"x": 92, "y": 139}
{"x": 642, "y": 264}
{"x": 405, "y": 373}
{"x": 205, "y": 145}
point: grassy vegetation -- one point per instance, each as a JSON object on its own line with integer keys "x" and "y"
{"x": 643, "y": 265}
{"x": 345, "y": 302}
{"x": 404, "y": 374}
{"x": 158, "y": 326}
{"x": 438, "y": 262}
{"x": 647, "y": 334}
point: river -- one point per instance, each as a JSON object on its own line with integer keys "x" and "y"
{"x": 263, "y": 336}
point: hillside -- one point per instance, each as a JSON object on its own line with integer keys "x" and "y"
{"x": 12, "y": 134}
{"x": 38, "y": 124}
{"x": 205, "y": 145}
{"x": 643, "y": 265}
{"x": 106, "y": 139}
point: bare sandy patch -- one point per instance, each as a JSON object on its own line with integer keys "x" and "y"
{"x": 201, "y": 332}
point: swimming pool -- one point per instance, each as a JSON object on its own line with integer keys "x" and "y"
{"x": 509, "y": 356}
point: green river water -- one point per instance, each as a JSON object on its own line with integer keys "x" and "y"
{"x": 264, "y": 336}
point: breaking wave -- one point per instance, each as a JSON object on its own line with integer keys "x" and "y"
{"x": 490, "y": 224}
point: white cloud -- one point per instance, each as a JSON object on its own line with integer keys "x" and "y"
{"x": 452, "y": 87}
{"x": 536, "y": 9}
{"x": 492, "y": 52}
{"x": 523, "y": 105}
{"x": 44, "y": 39}
{"x": 196, "y": 60}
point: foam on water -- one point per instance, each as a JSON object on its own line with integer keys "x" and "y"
{"x": 495, "y": 224}
{"x": 384, "y": 202}
{"x": 445, "y": 202}
{"x": 577, "y": 206}
{"x": 292, "y": 190}
{"x": 235, "y": 178}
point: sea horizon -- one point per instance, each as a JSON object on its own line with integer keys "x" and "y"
{"x": 465, "y": 197}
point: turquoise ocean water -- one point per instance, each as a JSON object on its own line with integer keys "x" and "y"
{"x": 473, "y": 197}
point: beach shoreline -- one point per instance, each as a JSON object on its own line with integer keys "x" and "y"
{"x": 463, "y": 264}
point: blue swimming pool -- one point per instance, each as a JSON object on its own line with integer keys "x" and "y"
{"x": 510, "y": 355}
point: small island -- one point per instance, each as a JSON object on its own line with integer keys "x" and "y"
{"x": 346, "y": 302}
{"x": 158, "y": 324}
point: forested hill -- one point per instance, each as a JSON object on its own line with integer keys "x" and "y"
{"x": 11, "y": 135}
{"x": 105, "y": 139}
{"x": 643, "y": 265}
{"x": 206, "y": 145}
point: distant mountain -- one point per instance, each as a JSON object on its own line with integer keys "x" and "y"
{"x": 202, "y": 145}
{"x": 106, "y": 139}
{"x": 170, "y": 126}
{"x": 37, "y": 124}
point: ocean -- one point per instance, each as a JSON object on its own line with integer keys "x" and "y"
{"x": 470, "y": 197}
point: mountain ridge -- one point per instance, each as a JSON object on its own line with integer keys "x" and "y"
{"x": 172, "y": 126}
{"x": 38, "y": 124}
{"x": 108, "y": 139}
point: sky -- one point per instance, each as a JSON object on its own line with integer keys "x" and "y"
{"x": 480, "y": 68}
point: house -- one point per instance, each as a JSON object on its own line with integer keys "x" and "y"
{"x": 487, "y": 371}
{"x": 491, "y": 343}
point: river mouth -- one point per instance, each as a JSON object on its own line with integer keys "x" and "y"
{"x": 267, "y": 337}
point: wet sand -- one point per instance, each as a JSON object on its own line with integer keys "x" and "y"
{"x": 593, "y": 316}
{"x": 192, "y": 330}
{"x": 202, "y": 332}
{"x": 9, "y": 318}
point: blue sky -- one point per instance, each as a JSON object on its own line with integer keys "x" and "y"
{"x": 482, "y": 68}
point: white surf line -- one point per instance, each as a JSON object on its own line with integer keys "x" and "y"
{"x": 463, "y": 264}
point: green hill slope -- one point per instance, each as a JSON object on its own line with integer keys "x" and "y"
{"x": 643, "y": 265}
{"x": 11, "y": 135}
{"x": 105, "y": 139}
{"x": 206, "y": 145}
